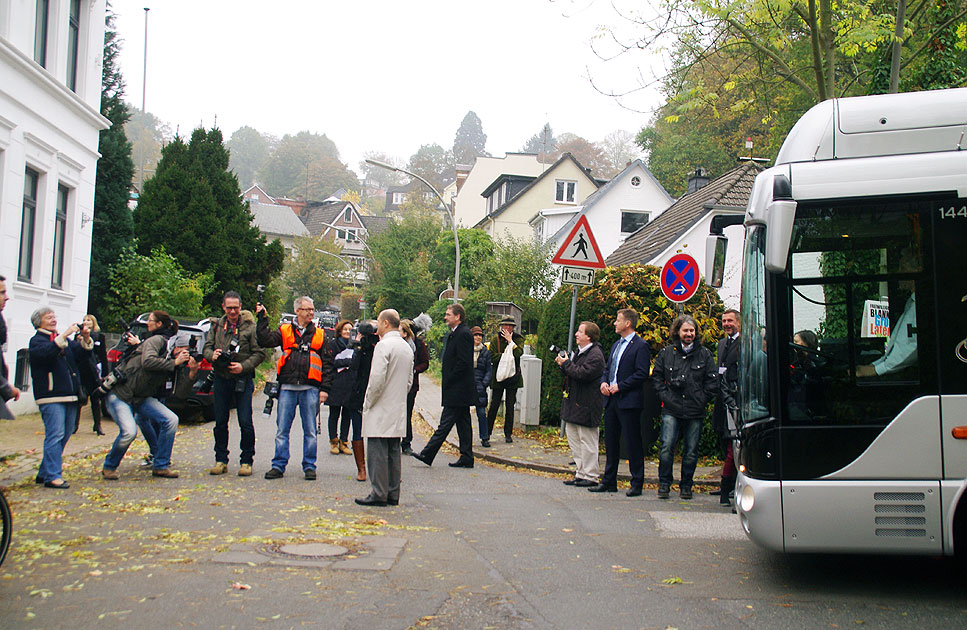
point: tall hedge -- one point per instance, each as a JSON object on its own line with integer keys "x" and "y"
{"x": 630, "y": 286}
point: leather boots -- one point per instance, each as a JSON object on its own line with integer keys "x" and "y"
{"x": 359, "y": 454}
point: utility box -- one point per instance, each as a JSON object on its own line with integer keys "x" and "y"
{"x": 530, "y": 397}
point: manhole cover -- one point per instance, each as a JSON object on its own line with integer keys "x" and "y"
{"x": 307, "y": 550}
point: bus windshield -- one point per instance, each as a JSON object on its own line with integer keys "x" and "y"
{"x": 753, "y": 368}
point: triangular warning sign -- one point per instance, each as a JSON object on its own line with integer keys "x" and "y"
{"x": 579, "y": 248}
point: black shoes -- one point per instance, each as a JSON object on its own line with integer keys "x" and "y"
{"x": 509, "y": 440}
{"x": 585, "y": 483}
{"x": 274, "y": 473}
{"x": 407, "y": 450}
{"x": 485, "y": 443}
{"x": 685, "y": 493}
{"x": 663, "y": 490}
{"x": 635, "y": 491}
{"x": 372, "y": 501}
{"x": 310, "y": 475}
{"x": 421, "y": 457}
{"x": 392, "y": 502}
{"x": 461, "y": 463}
{"x": 63, "y": 485}
{"x": 603, "y": 487}
{"x": 571, "y": 482}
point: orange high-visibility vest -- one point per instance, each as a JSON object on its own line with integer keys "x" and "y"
{"x": 315, "y": 355}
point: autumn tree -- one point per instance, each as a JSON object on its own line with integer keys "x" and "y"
{"x": 317, "y": 269}
{"x": 147, "y": 134}
{"x": 306, "y": 164}
{"x": 587, "y": 153}
{"x": 433, "y": 163}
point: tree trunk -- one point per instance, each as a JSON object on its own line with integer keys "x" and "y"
{"x": 901, "y": 11}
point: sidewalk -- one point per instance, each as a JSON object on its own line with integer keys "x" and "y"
{"x": 530, "y": 454}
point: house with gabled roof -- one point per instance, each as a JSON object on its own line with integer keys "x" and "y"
{"x": 255, "y": 194}
{"x": 513, "y": 200}
{"x": 684, "y": 226}
{"x": 277, "y": 222}
{"x": 471, "y": 180}
{"x": 617, "y": 209}
{"x": 343, "y": 223}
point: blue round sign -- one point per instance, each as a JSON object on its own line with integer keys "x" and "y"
{"x": 679, "y": 278}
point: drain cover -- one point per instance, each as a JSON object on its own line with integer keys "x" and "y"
{"x": 311, "y": 550}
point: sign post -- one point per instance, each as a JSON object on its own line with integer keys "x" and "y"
{"x": 581, "y": 256}
{"x": 679, "y": 279}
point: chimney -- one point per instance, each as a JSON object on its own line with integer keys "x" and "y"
{"x": 697, "y": 180}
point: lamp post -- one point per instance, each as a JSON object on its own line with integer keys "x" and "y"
{"x": 343, "y": 261}
{"x": 449, "y": 208}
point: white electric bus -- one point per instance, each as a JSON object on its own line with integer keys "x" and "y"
{"x": 852, "y": 419}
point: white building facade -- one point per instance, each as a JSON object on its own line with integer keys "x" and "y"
{"x": 50, "y": 92}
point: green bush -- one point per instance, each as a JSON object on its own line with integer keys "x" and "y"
{"x": 630, "y": 286}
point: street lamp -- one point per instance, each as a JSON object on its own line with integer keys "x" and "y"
{"x": 449, "y": 208}
{"x": 342, "y": 260}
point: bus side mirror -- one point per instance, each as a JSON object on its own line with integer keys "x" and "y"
{"x": 716, "y": 246}
{"x": 780, "y": 216}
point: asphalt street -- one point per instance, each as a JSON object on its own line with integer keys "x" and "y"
{"x": 491, "y": 547}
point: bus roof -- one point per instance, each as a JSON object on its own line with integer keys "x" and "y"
{"x": 886, "y": 124}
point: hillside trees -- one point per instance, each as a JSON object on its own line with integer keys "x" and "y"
{"x": 470, "y": 141}
{"x": 306, "y": 164}
{"x": 249, "y": 151}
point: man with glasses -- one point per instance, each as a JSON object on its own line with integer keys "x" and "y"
{"x": 304, "y": 373}
{"x": 233, "y": 350}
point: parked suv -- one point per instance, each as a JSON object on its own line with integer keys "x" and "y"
{"x": 197, "y": 402}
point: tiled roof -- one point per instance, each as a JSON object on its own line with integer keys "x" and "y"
{"x": 316, "y": 216}
{"x": 274, "y": 219}
{"x": 375, "y": 225}
{"x": 731, "y": 190}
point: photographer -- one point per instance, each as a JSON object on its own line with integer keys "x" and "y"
{"x": 685, "y": 378}
{"x": 145, "y": 372}
{"x": 233, "y": 350}
{"x": 582, "y": 404}
{"x": 304, "y": 373}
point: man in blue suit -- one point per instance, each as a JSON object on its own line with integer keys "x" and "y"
{"x": 621, "y": 383}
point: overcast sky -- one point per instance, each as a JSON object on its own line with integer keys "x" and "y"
{"x": 380, "y": 75}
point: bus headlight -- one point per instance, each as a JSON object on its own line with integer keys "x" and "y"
{"x": 747, "y": 498}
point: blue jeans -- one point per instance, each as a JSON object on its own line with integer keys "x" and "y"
{"x": 224, "y": 397}
{"x": 59, "y": 422}
{"x": 307, "y": 401}
{"x": 483, "y": 425}
{"x": 690, "y": 430}
{"x": 163, "y": 420}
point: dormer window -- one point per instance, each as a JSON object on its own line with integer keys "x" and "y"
{"x": 565, "y": 191}
{"x": 398, "y": 199}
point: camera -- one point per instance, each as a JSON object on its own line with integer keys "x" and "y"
{"x": 554, "y": 349}
{"x": 260, "y": 290}
{"x": 227, "y": 357}
{"x": 107, "y": 383}
{"x": 272, "y": 391}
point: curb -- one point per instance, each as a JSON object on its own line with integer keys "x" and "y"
{"x": 563, "y": 470}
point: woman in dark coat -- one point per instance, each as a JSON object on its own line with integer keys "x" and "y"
{"x": 93, "y": 370}
{"x": 341, "y": 388}
{"x": 482, "y": 368}
{"x": 421, "y": 361}
{"x": 582, "y": 405}
{"x": 359, "y": 367}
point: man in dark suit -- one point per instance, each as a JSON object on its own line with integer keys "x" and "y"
{"x": 621, "y": 383}
{"x": 459, "y": 391}
{"x": 728, "y": 360}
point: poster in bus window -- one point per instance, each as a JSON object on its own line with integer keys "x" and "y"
{"x": 876, "y": 318}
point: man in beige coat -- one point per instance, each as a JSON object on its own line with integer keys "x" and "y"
{"x": 384, "y": 410}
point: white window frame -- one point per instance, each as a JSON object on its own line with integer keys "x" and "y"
{"x": 348, "y": 216}
{"x": 398, "y": 198}
{"x": 568, "y": 194}
{"x": 352, "y": 236}
{"x": 61, "y": 212}
{"x": 25, "y": 267}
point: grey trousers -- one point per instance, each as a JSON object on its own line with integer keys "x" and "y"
{"x": 383, "y": 459}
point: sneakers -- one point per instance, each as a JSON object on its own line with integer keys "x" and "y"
{"x": 164, "y": 472}
{"x": 334, "y": 446}
{"x": 111, "y": 475}
{"x": 274, "y": 473}
{"x": 245, "y": 470}
{"x": 663, "y": 490}
{"x": 220, "y": 468}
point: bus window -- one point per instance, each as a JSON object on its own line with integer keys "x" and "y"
{"x": 753, "y": 364}
{"x": 856, "y": 273}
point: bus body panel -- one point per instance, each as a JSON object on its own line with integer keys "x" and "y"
{"x": 951, "y": 494}
{"x": 762, "y": 522}
{"x": 953, "y": 413}
{"x": 862, "y": 516}
{"x": 915, "y": 433}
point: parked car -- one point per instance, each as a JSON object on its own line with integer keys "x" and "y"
{"x": 198, "y": 402}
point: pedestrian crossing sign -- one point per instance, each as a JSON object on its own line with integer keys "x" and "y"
{"x": 579, "y": 248}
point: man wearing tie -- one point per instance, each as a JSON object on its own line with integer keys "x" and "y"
{"x": 624, "y": 375}
{"x": 459, "y": 391}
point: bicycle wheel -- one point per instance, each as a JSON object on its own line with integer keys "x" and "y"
{"x": 7, "y": 523}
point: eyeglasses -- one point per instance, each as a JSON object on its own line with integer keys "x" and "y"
{"x": 305, "y": 309}
{"x": 232, "y": 308}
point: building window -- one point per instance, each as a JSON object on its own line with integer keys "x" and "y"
{"x": 348, "y": 217}
{"x": 73, "y": 42}
{"x": 27, "y": 224}
{"x": 397, "y": 199}
{"x": 341, "y": 235}
{"x": 566, "y": 191}
{"x": 40, "y": 32}
{"x": 60, "y": 234}
{"x": 351, "y": 236}
{"x": 633, "y": 221}
{"x": 635, "y": 181}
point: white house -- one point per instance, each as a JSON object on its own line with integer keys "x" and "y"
{"x": 469, "y": 206}
{"x": 614, "y": 211}
{"x": 50, "y": 93}
{"x": 683, "y": 227}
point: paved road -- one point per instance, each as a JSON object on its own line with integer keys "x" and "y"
{"x": 491, "y": 547}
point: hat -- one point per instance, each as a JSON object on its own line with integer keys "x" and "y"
{"x": 477, "y": 330}
{"x": 508, "y": 320}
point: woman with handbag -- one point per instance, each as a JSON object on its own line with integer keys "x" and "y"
{"x": 57, "y": 388}
{"x": 506, "y": 348}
